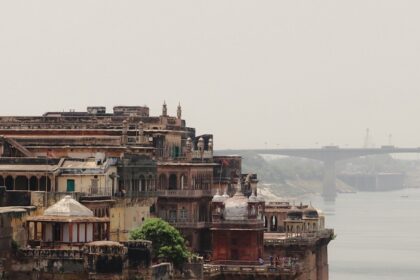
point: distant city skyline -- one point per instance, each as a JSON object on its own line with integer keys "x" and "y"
{"x": 272, "y": 74}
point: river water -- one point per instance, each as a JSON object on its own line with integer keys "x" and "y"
{"x": 378, "y": 235}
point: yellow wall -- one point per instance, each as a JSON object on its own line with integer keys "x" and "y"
{"x": 83, "y": 182}
{"x": 126, "y": 215}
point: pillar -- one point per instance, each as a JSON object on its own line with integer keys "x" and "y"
{"x": 108, "y": 231}
{"x": 36, "y": 231}
{"x": 28, "y": 224}
{"x": 70, "y": 232}
{"x": 322, "y": 262}
{"x": 78, "y": 232}
{"x": 329, "y": 189}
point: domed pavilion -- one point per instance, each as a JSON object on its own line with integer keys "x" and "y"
{"x": 237, "y": 228}
{"x": 67, "y": 223}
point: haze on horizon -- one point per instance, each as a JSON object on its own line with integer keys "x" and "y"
{"x": 254, "y": 73}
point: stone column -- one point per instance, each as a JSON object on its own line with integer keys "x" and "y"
{"x": 329, "y": 189}
{"x": 39, "y": 181}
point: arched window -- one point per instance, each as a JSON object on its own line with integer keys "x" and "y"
{"x": 273, "y": 221}
{"x": 151, "y": 183}
{"x": 183, "y": 182}
{"x": 173, "y": 182}
{"x": 142, "y": 182}
{"x": 33, "y": 183}
{"x": 21, "y": 183}
{"x": 162, "y": 182}
{"x": 45, "y": 184}
{"x": 10, "y": 183}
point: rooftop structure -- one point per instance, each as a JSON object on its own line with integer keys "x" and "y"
{"x": 67, "y": 223}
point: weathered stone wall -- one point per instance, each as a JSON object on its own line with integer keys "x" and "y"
{"x": 127, "y": 214}
{"x": 162, "y": 271}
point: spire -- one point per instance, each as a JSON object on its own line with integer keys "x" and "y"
{"x": 225, "y": 195}
{"x": 239, "y": 188}
{"x": 179, "y": 111}
{"x": 164, "y": 109}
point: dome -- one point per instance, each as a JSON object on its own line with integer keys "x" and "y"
{"x": 294, "y": 213}
{"x": 68, "y": 207}
{"x": 311, "y": 213}
{"x": 217, "y": 197}
{"x": 236, "y": 207}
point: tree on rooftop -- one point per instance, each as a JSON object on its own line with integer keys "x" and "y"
{"x": 167, "y": 242}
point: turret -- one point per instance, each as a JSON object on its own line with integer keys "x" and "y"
{"x": 179, "y": 111}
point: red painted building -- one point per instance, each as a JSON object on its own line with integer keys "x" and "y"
{"x": 237, "y": 228}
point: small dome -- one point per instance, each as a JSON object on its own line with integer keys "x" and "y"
{"x": 217, "y": 197}
{"x": 311, "y": 213}
{"x": 225, "y": 195}
{"x": 236, "y": 207}
{"x": 68, "y": 207}
{"x": 294, "y": 213}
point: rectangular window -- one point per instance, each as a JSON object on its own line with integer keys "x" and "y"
{"x": 70, "y": 185}
{"x": 183, "y": 214}
{"x": 172, "y": 215}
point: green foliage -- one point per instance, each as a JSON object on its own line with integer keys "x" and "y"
{"x": 167, "y": 242}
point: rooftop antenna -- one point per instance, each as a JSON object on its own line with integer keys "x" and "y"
{"x": 390, "y": 139}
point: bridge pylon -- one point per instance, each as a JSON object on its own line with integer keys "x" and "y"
{"x": 329, "y": 191}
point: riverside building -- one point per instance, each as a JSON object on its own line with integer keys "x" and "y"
{"x": 125, "y": 166}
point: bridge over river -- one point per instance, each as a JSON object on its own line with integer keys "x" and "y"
{"x": 329, "y": 155}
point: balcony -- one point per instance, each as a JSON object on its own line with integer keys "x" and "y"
{"x": 303, "y": 239}
{"x": 202, "y": 155}
{"x": 232, "y": 267}
{"x": 52, "y": 254}
{"x": 185, "y": 193}
{"x": 188, "y": 224}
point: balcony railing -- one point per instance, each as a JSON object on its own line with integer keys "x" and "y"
{"x": 304, "y": 238}
{"x": 52, "y": 253}
{"x": 184, "y": 193}
{"x": 243, "y": 268}
{"x": 203, "y": 154}
{"x": 188, "y": 224}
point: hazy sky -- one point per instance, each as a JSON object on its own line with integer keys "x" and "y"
{"x": 286, "y": 73}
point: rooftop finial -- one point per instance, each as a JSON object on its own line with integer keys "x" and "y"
{"x": 239, "y": 187}
{"x": 164, "y": 109}
{"x": 179, "y": 111}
